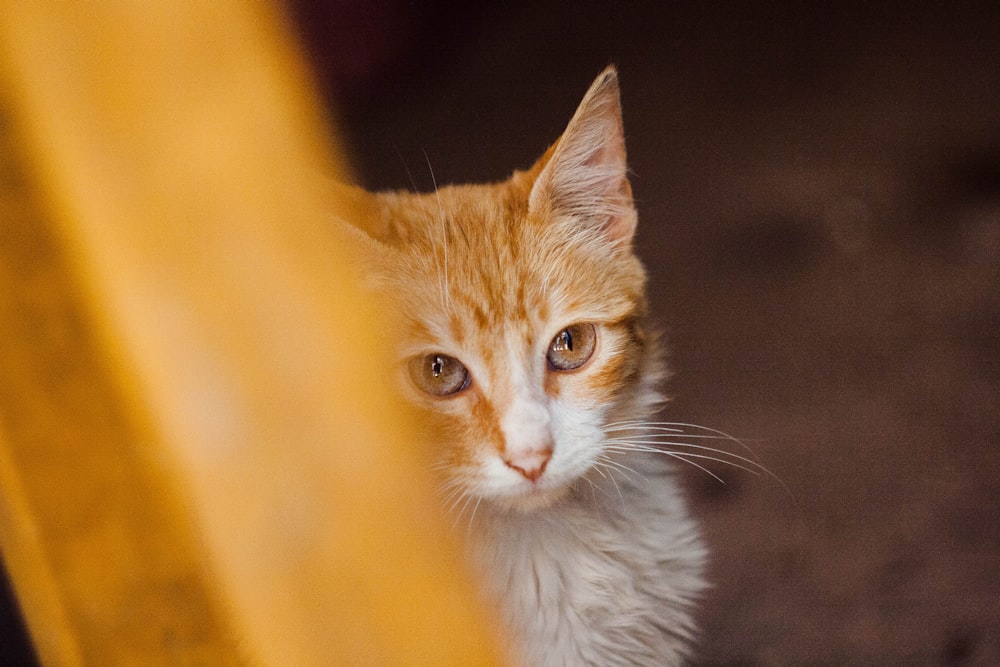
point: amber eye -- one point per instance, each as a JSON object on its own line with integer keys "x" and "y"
{"x": 572, "y": 347}
{"x": 439, "y": 374}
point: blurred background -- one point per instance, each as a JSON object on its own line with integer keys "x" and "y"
{"x": 819, "y": 199}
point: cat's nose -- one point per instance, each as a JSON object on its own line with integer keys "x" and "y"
{"x": 531, "y": 464}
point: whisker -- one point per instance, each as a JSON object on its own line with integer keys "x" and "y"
{"x": 453, "y": 498}
{"x": 625, "y": 445}
{"x": 662, "y": 432}
{"x": 625, "y": 470}
{"x": 681, "y": 457}
{"x": 658, "y": 446}
{"x": 612, "y": 467}
{"x": 668, "y": 434}
{"x": 705, "y": 457}
{"x": 460, "y": 496}
{"x": 457, "y": 511}
{"x": 610, "y": 477}
{"x": 714, "y": 433}
{"x": 756, "y": 468}
{"x": 458, "y": 516}
{"x": 406, "y": 167}
{"x": 628, "y": 426}
{"x": 473, "y": 515}
{"x": 443, "y": 268}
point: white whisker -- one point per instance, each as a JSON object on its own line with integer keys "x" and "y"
{"x": 597, "y": 466}
{"x": 680, "y": 426}
{"x": 705, "y": 457}
{"x": 632, "y": 425}
{"x": 671, "y": 439}
{"x": 593, "y": 488}
{"x": 443, "y": 284}
{"x": 454, "y": 497}
{"x": 473, "y": 515}
{"x": 458, "y": 516}
{"x": 618, "y": 465}
{"x": 681, "y": 457}
{"x": 655, "y": 445}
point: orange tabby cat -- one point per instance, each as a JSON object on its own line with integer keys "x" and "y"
{"x": 519, "y": 321}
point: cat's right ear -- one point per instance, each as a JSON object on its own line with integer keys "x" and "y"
{"x": 359, "y": 230}
{"x": 355, "y": 207}
{"x": 584, "y": 176}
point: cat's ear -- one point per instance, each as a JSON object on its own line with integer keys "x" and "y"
{"x": 356, "y": 207}
{"x": 584, "y": 175}
{"x": 357, "y": 227}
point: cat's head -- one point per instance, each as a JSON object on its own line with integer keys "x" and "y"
{"x": 517, "y": 311}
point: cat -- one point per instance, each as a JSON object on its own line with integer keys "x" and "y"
{"x": 520, "y": 324}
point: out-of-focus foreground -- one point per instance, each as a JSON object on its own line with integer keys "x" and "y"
{"x": 195, "y": 468}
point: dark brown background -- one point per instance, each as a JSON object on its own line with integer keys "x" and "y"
{"x": 819, "y": 198}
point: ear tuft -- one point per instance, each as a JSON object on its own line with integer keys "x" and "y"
{"x": 585, "y": 174}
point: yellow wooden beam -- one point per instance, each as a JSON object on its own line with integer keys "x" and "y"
{"x": 200, "y": 461}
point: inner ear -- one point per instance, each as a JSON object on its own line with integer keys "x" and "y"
{"x": 354, "y": 206}
{"x": 585, "y": 175}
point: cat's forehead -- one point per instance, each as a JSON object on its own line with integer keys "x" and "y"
{"x": 480, "y": 299}
{"x": 474, "y": 267}
{"x": 510, "y": 294}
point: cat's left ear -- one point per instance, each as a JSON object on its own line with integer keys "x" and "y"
{"x": 585, "y": 174}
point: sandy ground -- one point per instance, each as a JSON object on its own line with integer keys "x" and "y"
{"x": 819, "y": 197}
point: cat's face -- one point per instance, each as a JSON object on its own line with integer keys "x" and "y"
{"x": 517, "y": 313}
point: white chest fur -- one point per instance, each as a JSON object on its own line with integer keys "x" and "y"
{"x": 606, "y": 576}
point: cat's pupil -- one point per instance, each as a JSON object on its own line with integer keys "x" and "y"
{"x": 437, "y": 366}
{"x": 572, "y": 347}
{"x": 564, "y": 341}
{"x": 439, "y": 374}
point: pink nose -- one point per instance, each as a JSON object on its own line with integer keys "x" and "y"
{"x": 530, "y": 464}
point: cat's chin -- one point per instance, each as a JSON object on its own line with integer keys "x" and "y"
{"x": 531, "y": 500}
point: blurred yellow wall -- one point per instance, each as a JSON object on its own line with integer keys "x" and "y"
{"x": 199, "y": 462}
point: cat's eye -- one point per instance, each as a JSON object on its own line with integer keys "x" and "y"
{"x": 572, "y": 347}
{"x": 439, "y": 374}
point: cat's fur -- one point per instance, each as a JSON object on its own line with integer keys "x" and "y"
{"x": 577, "y": 528}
